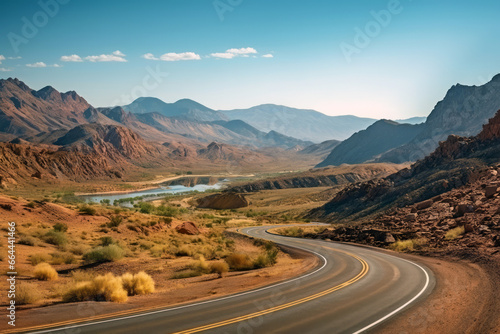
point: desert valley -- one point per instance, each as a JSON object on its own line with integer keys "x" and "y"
{"x": 286, "y": 188}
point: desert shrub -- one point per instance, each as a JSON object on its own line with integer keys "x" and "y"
{"x": 101, "y": 288}
{"x": 101, "y": 254}
{"x": 87, "y": 210}
{"x": 186, "y": 274}
{"x": 239, "y": 261}
{"x": 27, "y": 294}
{"x": 55, "y": 238}
{"x": 200, "y": 265}
{"x": 167, "y": 211}
{"x": 454, "y": 233}
{"x": 39, "y": 258}
{"x": 115, "y": 221}
{"x": 27, "y": 240}
{"x": 31, "y": 205}
{"x": 145, "y": 207}
{"x": 183, "y": 251}
{"x": 219, "y": 267}
{"x": 45, "y": 272}
{"x": 292, "y": 231}
{"x": 60, "y": 258}
{"x": 60, "y": 227}
{"x": 81, "y": 276}
{"x": 408, "y": 245}
{"x": 79, "y": 249}
{"x": 138, "y": 284}
{"x": 106, "y": 241}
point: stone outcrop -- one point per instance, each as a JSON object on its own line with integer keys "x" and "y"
{"x": 223, "y": 201}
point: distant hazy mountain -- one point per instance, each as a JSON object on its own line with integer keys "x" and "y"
{"x": 182, "y": 109}
{"x": 463, "y": 111}
{"x": 260, "y": 138}
{"x": 321, "y": 150}
{"x": 412, "y": 120}
{"x": 300, "y": 123}
{"x": 366, "y": 145}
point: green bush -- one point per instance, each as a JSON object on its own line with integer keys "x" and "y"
{"x": 145, "y": 207}
{"x": 102, "y": 254}
{"x": 55, "y": 238}
{"x": 60, "y": 227}
{"x": 115, "y": 221}
{"x": 87, "y": 210}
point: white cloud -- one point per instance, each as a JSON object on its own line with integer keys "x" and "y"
{"x": 268, "y": 56}
{"x": 18, "y": 57}
{"x": 232, "y": 53}
{"x": 42, "y": 64}
{"x": 119, "y": 53}
{"x": 3, "y": 69}
{"x": 72, "y": 58}
{"x": 149, "y": 56}
{"x": 225, "y": 55}
{"x": 115, "y": 56}
{"x": 38, "y": 64}
{"x": 1, "y": 58}
{"x": 242, "y": 51}
{"x": 171, "y": 56}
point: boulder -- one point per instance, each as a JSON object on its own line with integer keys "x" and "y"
{"x": 424, "y": 205}
{"x": 490, "y": 191}
{"x": 223, "y": 201}
{"x": 187, "y": 228}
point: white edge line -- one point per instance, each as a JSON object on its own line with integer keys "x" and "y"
{"x": 402, "y": 306}
{"x": 325, "y": 262}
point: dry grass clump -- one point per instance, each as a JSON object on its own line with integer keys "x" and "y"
{"x": 45, "y": 272}
{"x": 39, "y": 258}
{"x": 454, "y": 233}
{"x": 138, "y": 284}
{"x": 101, "y": 288}
{"x": 101, "y": 254}
{"x": 60, "y": 258}
{"x": 408, "y": 245}
{"x": 27, "y": 294}
{"x": 219, "y": 267}
{"x": 239, "y": 261}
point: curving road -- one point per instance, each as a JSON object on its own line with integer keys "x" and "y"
{"x": 352, "y": 290}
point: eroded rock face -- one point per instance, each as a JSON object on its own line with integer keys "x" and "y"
{"x": 223, "y": 201}
{"x": 188, "y": 228}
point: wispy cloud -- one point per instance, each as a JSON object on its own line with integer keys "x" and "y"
{"x": 232, "y": 53}
{"x": 1, "y": 58}
{"x": 3, "y": 69}
{"x": 267, "y": 56}
{"x": 18, "y": 57}
{"x": 72, "y": 58}
{"x": 172, "y": 56}
{"x": 149, "y": 56}
{"x": 115, "y": 56}
{"x": 42, "y": 64}
{"x": 38, "y": 64}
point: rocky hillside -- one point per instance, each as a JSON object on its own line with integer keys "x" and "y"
{"x": 453, "y": 164}
{"x": 322, "y": 150}
{"x": 326, "y": 177}
{"x": 368, "y": 144}
{"x": 462, "y": 112}
{"x": 20, "y": 163}
{"x": 25, "y": 112}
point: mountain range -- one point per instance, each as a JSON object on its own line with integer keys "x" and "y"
{"x": 463, "y": 111}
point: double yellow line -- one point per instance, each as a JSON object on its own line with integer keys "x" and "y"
{"x": 362, "y": 273}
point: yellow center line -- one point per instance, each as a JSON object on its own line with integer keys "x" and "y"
{"x": 362, "y": 273}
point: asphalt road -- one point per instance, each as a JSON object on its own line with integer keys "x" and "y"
{"x": 352, "y": 290}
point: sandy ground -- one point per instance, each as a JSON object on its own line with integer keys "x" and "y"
{"x": 193, "y": 289}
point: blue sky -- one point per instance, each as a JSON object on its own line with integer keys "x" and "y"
{"x": 380, "y": 59}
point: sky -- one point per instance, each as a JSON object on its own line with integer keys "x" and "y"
{"x": 370, "y": 58}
